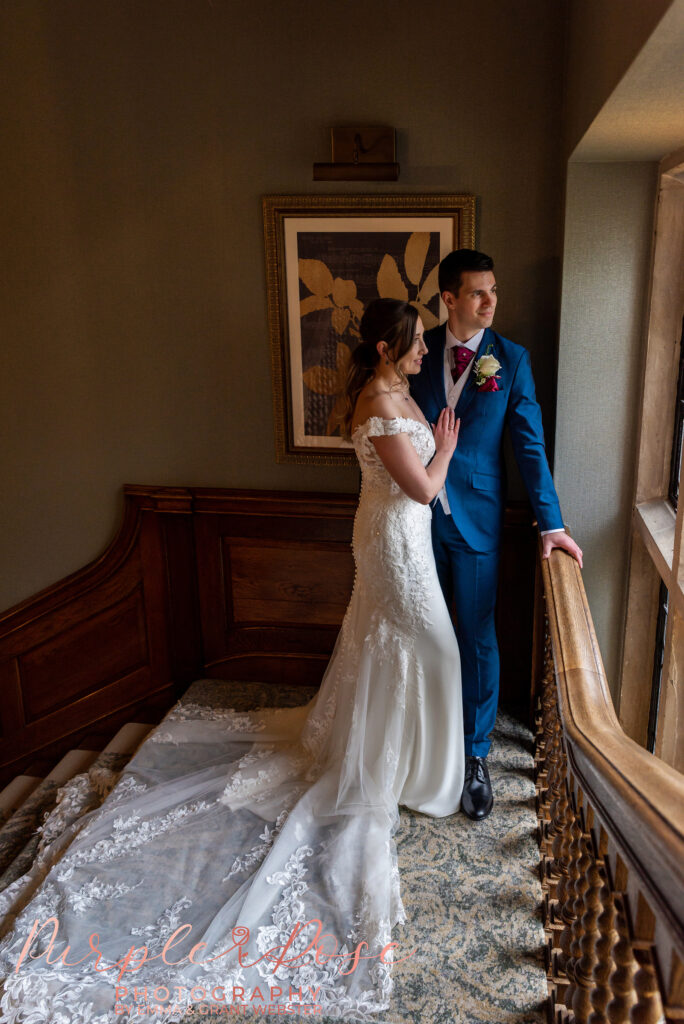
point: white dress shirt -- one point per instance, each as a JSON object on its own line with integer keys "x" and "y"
{"x": 453, "y": 391}
{"x": 454, "y": 388}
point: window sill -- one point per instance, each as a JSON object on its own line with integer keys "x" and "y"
{"x": 656, "y": 522}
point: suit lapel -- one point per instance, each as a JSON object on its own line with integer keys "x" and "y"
{"x": 436, "y": 366}
{"x": 470, "y": 389}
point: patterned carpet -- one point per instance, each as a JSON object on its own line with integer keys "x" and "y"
{"x": 472, "y": 897}
{"x": 470, "y": 889}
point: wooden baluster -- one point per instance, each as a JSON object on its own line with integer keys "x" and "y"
{"x": 556, "y": 876}
{"x": 561, "y": 814}
{"x": 549, "y": 709}
{"x": 608, "y": 936}
{"x": 554, "y": 780}
{"x": 584, "y": 968}
{"x": 674, "y": 994}
{"x": 560, "y": 866}
{"x": 567, "y": 909}
{"x": 548, "y": 725}
{"x": 649, "y": 1007}
{"x": 558, "y": 857}
{"x": 577, "y": 927}
{"x": 560, "y": 803}
{"x": 622, "y": 978}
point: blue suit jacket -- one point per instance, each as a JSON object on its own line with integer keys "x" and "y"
{"x": 475, "y": 482}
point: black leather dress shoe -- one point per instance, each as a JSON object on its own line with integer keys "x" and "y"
{"x": 477, "y": 799}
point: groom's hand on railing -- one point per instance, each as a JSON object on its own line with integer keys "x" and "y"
{"x": 561, "y": 539}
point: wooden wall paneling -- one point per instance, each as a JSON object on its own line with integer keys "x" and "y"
{"x": 29, "y": 626}
{"x": 215, "y": 617}
{"x": 120, "y": 693}
{"x": 78, "y": 638}
{"x": 275, "y": 572}
{"x": 89, "y": 647}
{"x": 297, "y": 582}
{"x": 12, "y": 703}
{"x": 170, "y": 583}
{"x": 89, "y": 736}
{"x": 185, "y": 632}
{"x": 224, "y": 583}
{"x": 81, "y": 659}
{"x": 155, "y": 597}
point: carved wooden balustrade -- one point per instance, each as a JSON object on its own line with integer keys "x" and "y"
{"x": 611, "y": 833}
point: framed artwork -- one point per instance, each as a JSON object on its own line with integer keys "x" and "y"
{"x": 327, "y": 257}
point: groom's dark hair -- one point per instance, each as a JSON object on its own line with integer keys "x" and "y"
{"x": 458, "y": 262}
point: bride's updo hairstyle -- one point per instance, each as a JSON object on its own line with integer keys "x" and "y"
{"x": 389, "y": 320}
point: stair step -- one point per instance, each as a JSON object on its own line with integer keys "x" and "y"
{"x": 26, "y": 799}
{"x": 73, "y": 763}
{"x": 15, "y": 793}
{"x": 104, "y": 772}
{"x": 20, "y": 847}
{"x": 128, "y": 738}
{"x": 18, "y": 829}
{"x": 37, "y": 796}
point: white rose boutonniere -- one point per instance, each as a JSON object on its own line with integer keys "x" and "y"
{"x": 486, "y": 369}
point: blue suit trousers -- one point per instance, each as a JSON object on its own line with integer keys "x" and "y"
{"x": 469, "y": 582}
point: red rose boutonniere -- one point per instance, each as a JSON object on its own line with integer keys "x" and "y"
{"x": 486, "y": 369}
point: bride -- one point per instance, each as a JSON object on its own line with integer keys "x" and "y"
{"x": 245, "y": 862}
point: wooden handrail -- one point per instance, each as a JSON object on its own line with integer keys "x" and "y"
{"x": 640, "y": 794}
{"x": 630, "y": 805}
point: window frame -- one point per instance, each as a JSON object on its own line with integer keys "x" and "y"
{"x": 657, "y": 556}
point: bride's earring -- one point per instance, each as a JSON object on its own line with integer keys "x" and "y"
{"x": 386, "y": 361}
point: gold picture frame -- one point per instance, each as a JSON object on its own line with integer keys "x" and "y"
{"x": 326, "y": 257}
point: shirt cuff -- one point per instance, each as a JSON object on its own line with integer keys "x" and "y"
{"x": 544, "y": 532}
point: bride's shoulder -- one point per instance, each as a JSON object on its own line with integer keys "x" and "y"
{"x": 375, "y": 405}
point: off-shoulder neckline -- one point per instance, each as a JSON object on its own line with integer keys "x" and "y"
{"x": 390, "y": 419}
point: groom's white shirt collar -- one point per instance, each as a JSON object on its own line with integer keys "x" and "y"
{"x": 473, "y": 344}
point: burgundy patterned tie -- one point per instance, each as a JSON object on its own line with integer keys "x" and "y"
{"x": 460, "y": 360}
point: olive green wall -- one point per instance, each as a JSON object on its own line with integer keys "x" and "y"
{"x": 140, "y": 136}
{"x": 609, "y": 225}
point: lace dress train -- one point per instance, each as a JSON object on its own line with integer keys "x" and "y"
{"x": 243, "y": 858}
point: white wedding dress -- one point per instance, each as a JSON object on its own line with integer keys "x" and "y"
{"x": 245, "y": 825}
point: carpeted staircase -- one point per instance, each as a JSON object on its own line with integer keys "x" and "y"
{"x": 471, "y": 889}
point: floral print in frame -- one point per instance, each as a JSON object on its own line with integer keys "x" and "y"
{"x": 327, "y": 258}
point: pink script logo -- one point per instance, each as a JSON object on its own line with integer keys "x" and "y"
{"x": 128, "y": 963}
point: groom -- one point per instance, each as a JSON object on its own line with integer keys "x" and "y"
{"x": 488, "y": 381}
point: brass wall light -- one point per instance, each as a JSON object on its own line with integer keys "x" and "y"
{"x": 360, "y": 154}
